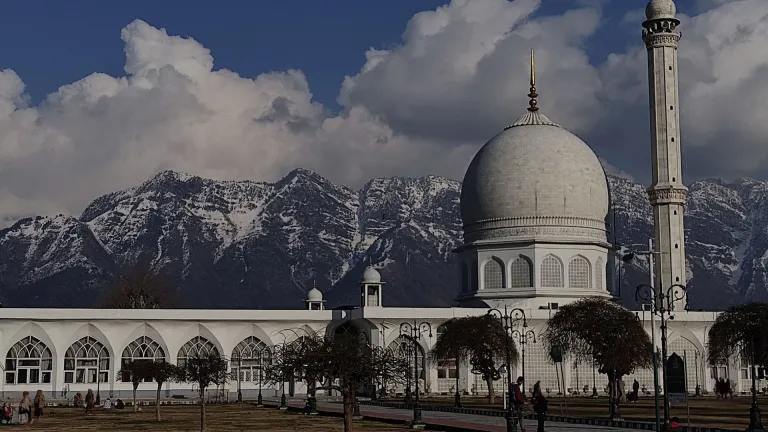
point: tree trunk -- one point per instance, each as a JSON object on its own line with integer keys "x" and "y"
{"x": 202, "y": 409}
{"x": 157, "y": 402}
{"x": 491, "y": 392}
{"x": 614, "y": 398}
{"x": 348, "y": 409}
{"x": 135, "y": 408}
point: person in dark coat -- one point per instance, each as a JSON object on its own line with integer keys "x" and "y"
{"x": 539, "y": 406}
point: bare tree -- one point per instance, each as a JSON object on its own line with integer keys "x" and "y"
{"x": 140, "y": 288}
{"x": 344, "y": 362}
{"x": 163, "y": 372}
{"x": 137, "y": 371}
{"x": 742, "y": 330}
{"x": 595, "y": 328}
{"x": 483, "y": 340}
{"x": 205, "y": 370}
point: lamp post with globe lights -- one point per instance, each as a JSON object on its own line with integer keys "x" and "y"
{"x": 651, "y": 254}
{"x": 508, "y": 318}
{"x": 414, "y": 332}
{"x": 523, "y": 337}
{"x": 663, "y": 304}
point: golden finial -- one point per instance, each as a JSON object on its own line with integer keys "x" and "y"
{"x": 532, "y": 103}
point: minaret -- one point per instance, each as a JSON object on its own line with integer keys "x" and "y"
{"x": 667, "y": 192}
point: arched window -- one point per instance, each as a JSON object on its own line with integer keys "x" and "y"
{"x": 144, "y": 348}
{"x": 521, "y": 272}
{"x": 28, "y": 361}
{"x": 493, "y": 274}
{"x": 403, "y": 348}
{"x": 599, "y": 266}
{"x": 84, "y": 360}
{"x": 249, "y": 359}
{"x": 197, "y": 346}
{"x": 551, "y": 272}
{"x": 579, "y": 273}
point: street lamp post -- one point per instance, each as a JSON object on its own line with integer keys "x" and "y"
{"x": 414, "y": 332}
{"x": 522, "y": 337}
{"x": 508, "y": 317}
{"x": 239, "y": 386}
{"x": 594, "y": 377}
{"x": 651, "y": 253}
{"x": 259, "y": 400}
{"x": 98, "y": 379}
{"x": 662, "y": 304}
{"x": 755, "y": 423}
{"x": 457, "y": 396}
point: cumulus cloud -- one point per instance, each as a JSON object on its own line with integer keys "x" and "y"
{"x": 424, "y": 106}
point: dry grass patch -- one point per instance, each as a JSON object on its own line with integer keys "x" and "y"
{"x": 220, "y": 418}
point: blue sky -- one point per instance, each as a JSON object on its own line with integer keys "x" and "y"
{"x": 51, "y": 43}
{"x": 413, "y": 105}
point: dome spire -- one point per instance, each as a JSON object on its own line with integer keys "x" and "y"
{"x": 533, "y": 116}
{"x": 532, "y": 94}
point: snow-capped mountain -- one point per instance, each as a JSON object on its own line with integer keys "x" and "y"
{"x": 243, "y": 244}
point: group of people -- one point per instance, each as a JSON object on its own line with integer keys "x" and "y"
{"x": 89, "y": 403}
{"x": 32, "y": 408}
{"x": 723, "y": 388}
{"x": 537, "y": 402}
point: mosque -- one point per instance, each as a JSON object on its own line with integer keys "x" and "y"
{"x": 534, "y": 203}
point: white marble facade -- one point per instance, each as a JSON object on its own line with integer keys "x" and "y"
{"x": 57, "y": 349}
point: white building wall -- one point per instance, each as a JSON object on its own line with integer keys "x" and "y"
{"x": 115, "y": 329}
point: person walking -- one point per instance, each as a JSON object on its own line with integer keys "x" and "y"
{"x": 39, "y": 404}
{"x": 539, "y": 406}
{"x": 89, "y": 402}
{"x": 518, "y": 401}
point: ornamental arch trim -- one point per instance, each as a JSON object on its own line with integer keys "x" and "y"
{"x": 95, "y": 332}
{"x": 201, "y": 330}
{"x": 35, "y": 330}
{"x": 151, "y": 332}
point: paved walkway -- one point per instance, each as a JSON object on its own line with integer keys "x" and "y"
{"x": 468, "y": 421}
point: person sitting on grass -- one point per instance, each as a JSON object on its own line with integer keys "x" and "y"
{"x": 119, "y": 404}
{"x": 7, "y": 414}
{"x": 107, "y": 404}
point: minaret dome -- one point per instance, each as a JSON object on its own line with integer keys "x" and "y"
{"x": 660, "y": 9}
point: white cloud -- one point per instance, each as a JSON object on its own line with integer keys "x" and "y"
{"x": 422, "y": 107}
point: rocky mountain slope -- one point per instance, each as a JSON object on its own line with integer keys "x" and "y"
{"x": 263, "y": 245}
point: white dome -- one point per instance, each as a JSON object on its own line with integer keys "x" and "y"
{"x": 314, "y": 295}
{"x": 534, "y": 179}
{"x": 371, "y": 275}
{"x": 659, "y": 9}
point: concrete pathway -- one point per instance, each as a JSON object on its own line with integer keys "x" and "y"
{"x": 436, "y": 418}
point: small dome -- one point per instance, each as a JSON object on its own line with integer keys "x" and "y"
{"x": 659, "y": 9}
{"x": 371, "y": 275}
{"x": 314, "y": 295}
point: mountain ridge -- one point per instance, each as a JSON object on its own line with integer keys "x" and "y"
{"x": 252, "y": 244}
